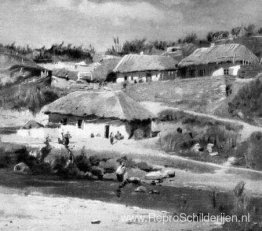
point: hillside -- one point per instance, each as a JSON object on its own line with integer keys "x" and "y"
{"x": 202, "y": 94}
{"x": 16, "y": 68}
{"x": 247, "y": 102}
{"x": 23, "y": 84}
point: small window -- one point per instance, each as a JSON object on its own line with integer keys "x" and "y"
{"x": 226, "y": 71}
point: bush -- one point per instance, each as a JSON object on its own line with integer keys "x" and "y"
{"x": 5, "y": 159}
{"x": 248, "y": 100}
{"x": 224, "y": 140}
{"x": 175, "y": 142}
{"x": 83, "y": 163}
{"x": 253, "y": 155}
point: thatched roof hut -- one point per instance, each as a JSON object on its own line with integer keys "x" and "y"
{"x": 135, "y": 63}
{"x": 32, "y": 124}
{"x": 106, "y": 104}
{"x": 219, "y": 54}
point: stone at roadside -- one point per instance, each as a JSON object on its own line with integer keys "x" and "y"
{"x": 168, "y": 172}
{"x": 95, "y": 222}
{"x": 196, "y": 148}
{"x": 154, "y": 191}
{"x": 136, "y": 172}
{"x": 141, "y": 189}
{"x": 240, "y": 115}
{"x": 213, "y": 153}
{"x": 157, "y": 175}
{"x": 134, "y": 180}
{"x": 89, "y": 176}
{"x": 210, "y": 147}
{"x": 144, "y": 166}
{"x": 22, "y": 168}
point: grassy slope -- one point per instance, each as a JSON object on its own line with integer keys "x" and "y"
{"x": 20, "y": 84}
{"x": 199, "y": 94}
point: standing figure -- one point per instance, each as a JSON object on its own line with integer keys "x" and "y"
{"x": 111, "y": 137}
{"x": 122, "y": 178}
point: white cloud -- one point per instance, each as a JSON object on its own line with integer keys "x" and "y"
{"x": 117, "y": 11}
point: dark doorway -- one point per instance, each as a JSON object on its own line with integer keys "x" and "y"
{"x": 64, "y": 121}
{"x": 148, "y": 77}
{"x": 107, "y": 131}
{"x": 111, "y": 77}
{"x": 79, "y": 123}
{"x": 192, "y": 73}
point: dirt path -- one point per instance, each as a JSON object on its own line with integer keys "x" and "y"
{"x": 189, "y": 172}
{"x": 248, "y": 129}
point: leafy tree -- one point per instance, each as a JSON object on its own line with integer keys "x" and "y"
{"x": 210, "y": 36}
{"x": 191, "y": 38}
{"x": 236, "y": 31}
{"x": 250, "y": 30}
{"x": 134, "y": 46}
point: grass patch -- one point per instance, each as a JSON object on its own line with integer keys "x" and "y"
{"x": 199, "y": 130}
{"x": 248, "y": 100}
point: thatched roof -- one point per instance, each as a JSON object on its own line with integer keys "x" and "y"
{"x": 32, "y": 124}
{"x": 134, "y": 63}
{"x": 107, "y": 66}
{"x": 106, "y": 104}
{"x": 64, "y": 73}
{"x": 219, "y": 53}
{"x": 9, "y": 58}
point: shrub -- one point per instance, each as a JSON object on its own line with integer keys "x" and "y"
{"x": 248, "y": 100}
{"x": 175, "y": 141}
{"x": 83, "y": 163}
{"x": 253, "y": 155}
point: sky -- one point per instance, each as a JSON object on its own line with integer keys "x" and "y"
{"x": 96, "y": 22}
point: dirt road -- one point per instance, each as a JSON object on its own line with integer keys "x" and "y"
{"x": 40, "y": 212}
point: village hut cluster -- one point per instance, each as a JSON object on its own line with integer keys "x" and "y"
{"x": 106, "y": 112}
{"x": 101, "y": 114}
{"x": 176, "y": 62}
